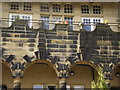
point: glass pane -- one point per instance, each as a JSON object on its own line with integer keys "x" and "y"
{"x": 78, "y": 87}
{"x": 68, "y": 87}
{"x": 28, "y": 18}
{"x": 87, "y": 27}
{"x": 45, "y": 20}
{"x": 37, "y": 87}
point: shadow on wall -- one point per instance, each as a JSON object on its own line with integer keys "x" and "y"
{"x": 116, "y": 79}
{"x": 7, "y": 80}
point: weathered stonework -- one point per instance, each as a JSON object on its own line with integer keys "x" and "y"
{"x": 61, "y": 47}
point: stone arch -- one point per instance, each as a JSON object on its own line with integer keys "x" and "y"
{"x": 83, "y": 74}
{"x": 39, "y": 72}
{"x": 7, "y": 78}
{"x": 40, "y": 61}
{"x": 5, "y": 63}
{"x": 116, "y": 78}
{"x": 85, "y": 63}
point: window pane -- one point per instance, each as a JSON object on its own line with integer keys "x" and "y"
{"x": 27, "y": 6}
{"x": 12, "y": 18}
{"x": 85, "y": 9}
{"x": 68, "y": 87}
{"x": 26, "y": 17}
{"x": 14, "y": 6}
{"x": 37, "y": 87}
{"x": 96, "y": 9}
{"x": 70, "y": 21}
{"x": 89, "y": 23}
{"x": 78, "y": 87}
{"x": 56, "y": 8}
{"x": 57, "y": 18}
{"x": 68, "y": 8}
{"x": 45, "y": 20}
{"x": 44, "y": 7}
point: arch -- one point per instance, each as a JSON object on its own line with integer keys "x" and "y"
{"x": 40, "y": 61}
{"x": 5, "y": 63}
{"x": 83, "y": 73}
{"x": 85, "y": 63}
{"x": 7, "y": 75}
{"x": 39, "y": 72}
{"x": 115, "y": 78}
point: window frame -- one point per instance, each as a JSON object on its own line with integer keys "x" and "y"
{"x": 56, "y": 7}
{"x": 80, "y": 88}
{"x": 46, "y": 7}
{"x": 38, "y": 85}
{"x": 101, "y": 9}
{"x": 23, "y": 4}
{"x": 20, "y": 17}
{"x": 70, "y": 22}
{"x": 45, "y": 21}
{"x": 92, "y": 24}
{"x": 18, "y": 5}
{"x": 68, "y": 9}
{"x": 67, "y": 87}
{"x": 60, "y": 18}
{"x": 88, "y": 9}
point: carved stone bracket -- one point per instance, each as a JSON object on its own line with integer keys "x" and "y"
{"x": 17, "y": 69}
{"x": 62, "y": 68}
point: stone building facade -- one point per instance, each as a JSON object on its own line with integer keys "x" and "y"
{"x": 59, "y": 44}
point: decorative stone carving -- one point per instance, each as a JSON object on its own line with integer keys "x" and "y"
{"x": 63, "y": 68}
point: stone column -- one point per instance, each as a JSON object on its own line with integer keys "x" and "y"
{"x": 62, "y": 83}
{"x": 108, "y": 82}
{"x": 17, "y": 83}
{"x": 17, "y": 77}
{"x": 108, "y": 78}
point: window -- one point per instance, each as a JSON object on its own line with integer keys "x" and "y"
{"x": 57, "y": 18}
{"x": 45, "y": 20}
{"x": 51, "y": 87}
{"x": 27, "y": 6}
{"x": 28, "y": 18}
{"x": 37, "y": 87}
{"x": 85, "y": 9}
{"x": 14, "y": 6}
{"x": 78, "y": 87}
{"x": 68, "y": 8}
{"x": 67, "y": 87}
{"x": 13, "y": 17}
{"x": 70, "y": 21}
{"x": 89, "y": 23}
{"x": 56, "y": 8}
{"x": 96, "y": 9}
{"x": 44, "y": 7}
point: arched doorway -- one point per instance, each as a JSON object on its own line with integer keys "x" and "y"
{"x": 39, "y": 74}
{"x": 81, "y": 75}
{"x": 115, "y": 84}
{"x": 7, "y": 80}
